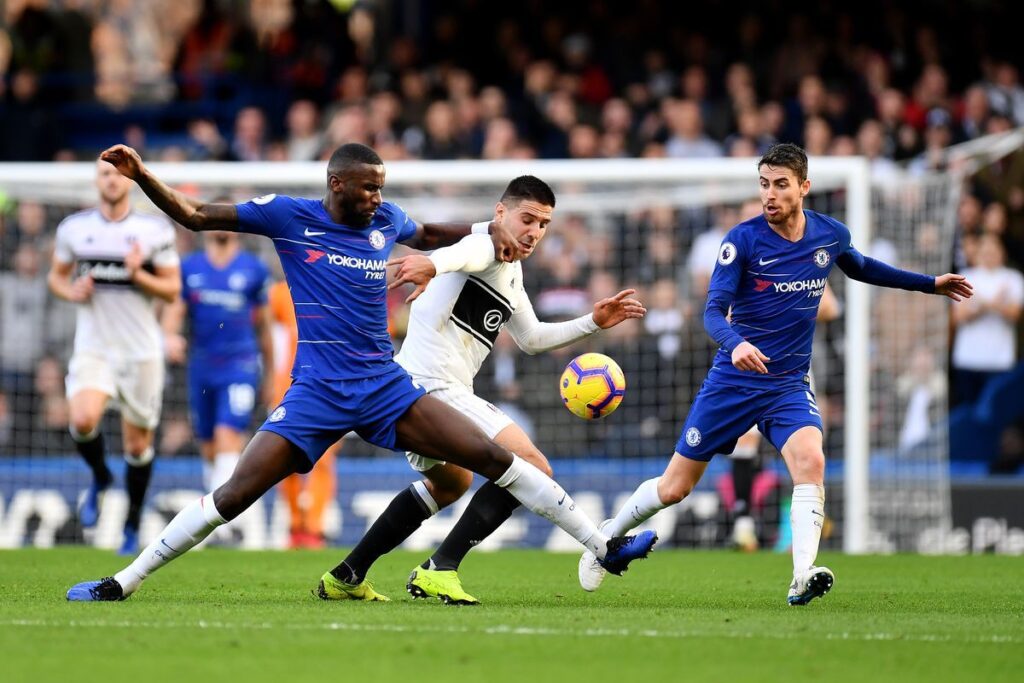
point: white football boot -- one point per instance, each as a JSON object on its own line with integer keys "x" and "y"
{"x": 813, "y": 583}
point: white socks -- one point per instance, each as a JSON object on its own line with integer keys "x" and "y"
{"x": 188, "y": 528}
{"x": 216, "y": 472}
{"x": 541, "y": 494}
{"x": 223, "y": 468}
{"x": 806, "y": 516}
{"x": 641, "y": 506}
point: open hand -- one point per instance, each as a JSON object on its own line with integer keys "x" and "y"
{"x": 748, "y": 357}
{"x": 956, "y": 287}
{"x": 125, "y": 159}
{"x": 414, "y": 269}
{"x": 612, "y": 311}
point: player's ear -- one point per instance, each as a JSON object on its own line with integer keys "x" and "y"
{"x": 499, "y": 212}
{"x": 335, "y": 182}
{"x": 805, "y": 187}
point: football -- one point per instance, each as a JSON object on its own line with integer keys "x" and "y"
{"x": 592, "y": 386}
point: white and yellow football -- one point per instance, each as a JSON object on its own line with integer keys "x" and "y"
{"x": 592, "y": 386}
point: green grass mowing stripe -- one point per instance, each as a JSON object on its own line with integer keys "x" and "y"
{"x": 695, "y": 615}
{"x": 511, "y": 630}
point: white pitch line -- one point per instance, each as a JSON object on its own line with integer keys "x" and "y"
{"x": 502, "y": 629}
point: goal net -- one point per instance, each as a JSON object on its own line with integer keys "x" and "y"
{"x": 653, "y": 225}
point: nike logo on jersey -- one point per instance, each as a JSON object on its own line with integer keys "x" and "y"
{"x": 762, "y": 262}
{"x": 312, "y": 233}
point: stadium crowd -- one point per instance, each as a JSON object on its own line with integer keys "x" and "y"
{"x": 273, "y": 80}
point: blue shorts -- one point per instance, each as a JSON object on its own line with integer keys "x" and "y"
{"x": 722, "y": 413}
{"x": 315, "y": 412}
{"x": 222, "y": 397}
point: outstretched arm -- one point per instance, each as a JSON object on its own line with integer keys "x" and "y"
{"x": 469, "y": 255}
{"x": 533, "y": 336}
{"x": 874, "y": 272}
{"x": 430, "y": 236}
{"x": 191, "y": 213}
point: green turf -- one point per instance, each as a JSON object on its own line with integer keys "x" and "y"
{"x": 680, "y": 616}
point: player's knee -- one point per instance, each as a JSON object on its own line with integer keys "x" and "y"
{"x": 84, "y": 427}
{"x": 808, "y": 465}
{"x": 672, "y": 491}
{"x": 140, "y": 457}
{"x": 138, "y": 448}
{"x": 537, "y": 459}
{"x": 449, "y": 490}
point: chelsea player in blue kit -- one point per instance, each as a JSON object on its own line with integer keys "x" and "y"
{"x": 334, "y": 252}
{"x": 230, "y": 350}
{"x": 771, "y": 273}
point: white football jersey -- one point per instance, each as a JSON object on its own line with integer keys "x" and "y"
{"x": 119, "y": 319}
{"x": 453, "y": 324}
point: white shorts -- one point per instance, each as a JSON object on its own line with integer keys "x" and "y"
{"x": 485, "y": 415}
{"x": 136, "y": 387}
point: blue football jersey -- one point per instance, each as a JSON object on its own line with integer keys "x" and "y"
{"x": 776, "y": 287}
{"x": 221, "y": 304}
{"x": 337, "y": 279}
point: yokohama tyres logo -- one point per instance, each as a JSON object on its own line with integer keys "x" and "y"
{"x": 815, "y": 285}
{"x": 314, "y": 255}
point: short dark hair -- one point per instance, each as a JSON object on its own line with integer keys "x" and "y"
{"x": 786, "y": 155}
{"x": 350, "y": 154}
{"x": 528, "y": 187}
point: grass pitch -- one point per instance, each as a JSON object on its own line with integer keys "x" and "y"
{"x": 686, "y": 616}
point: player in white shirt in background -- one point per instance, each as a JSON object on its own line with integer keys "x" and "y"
{"x": 115, "y": 263}
{"x": 452, "y": 329}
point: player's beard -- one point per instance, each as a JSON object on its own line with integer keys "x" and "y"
{"x": 779, "y": 218}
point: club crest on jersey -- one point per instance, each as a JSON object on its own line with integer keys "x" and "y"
{"x": 821, "y": 258}
{"x": 492, "y": 320}
{"x": 727, "y": 254}
{"x": 236, "y": 281}
{"x": 693, "y": 437}
{"x": 278, "y": 414}
{"x": 377, "y": 239}
{"x": 265, "y": 199}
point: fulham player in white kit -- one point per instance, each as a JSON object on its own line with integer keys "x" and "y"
{"x": 452, "y": 329}
{"x": 114, "y": 263}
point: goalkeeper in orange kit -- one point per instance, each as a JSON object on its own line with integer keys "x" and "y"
{"x": 307, "y": 495}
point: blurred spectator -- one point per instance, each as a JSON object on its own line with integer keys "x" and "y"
{"x": 976, "y": 111}
{"x": 441, "y": 139}
{"x": 23, "y": 297}
{"x": 686, "y": 131}
{"x": 920, "y": 390}
{"x": 250, "y": 139}
{"x": 665, "y": 318}
{"x": 985, "y": 345}
{"x": 1005, "y": 93}
{"x": 871, "y": 143}
{"x": 937, "y": 138}
{"x": 27, "y": 127}
{"x": 304, "y": 139}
